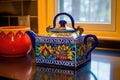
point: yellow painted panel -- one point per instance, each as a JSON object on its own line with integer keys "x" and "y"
{"x": 42, "y": 18}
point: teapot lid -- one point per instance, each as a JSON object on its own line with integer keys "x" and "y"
{"x": 63, "y": 28}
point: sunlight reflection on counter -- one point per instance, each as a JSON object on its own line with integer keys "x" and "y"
{"x": 101, "y": 70}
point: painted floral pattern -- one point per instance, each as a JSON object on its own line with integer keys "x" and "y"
{"x": 45, "y": 50}
{"x": 82, "y": 50}
{"x": 63, "y": 52}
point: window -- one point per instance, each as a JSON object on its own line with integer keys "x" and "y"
{"x": 98, "y": 15}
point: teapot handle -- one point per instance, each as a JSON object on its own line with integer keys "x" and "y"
{"x": 94, "y": 45}
{"x": 71, "y": 18}
{"x": 32, "y": 36}
{"x": 63, "y": 22}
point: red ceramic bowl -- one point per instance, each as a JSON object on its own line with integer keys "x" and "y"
{"x": 14, "y": 41}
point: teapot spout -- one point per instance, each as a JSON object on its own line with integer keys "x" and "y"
{"x": 32, "y": 36}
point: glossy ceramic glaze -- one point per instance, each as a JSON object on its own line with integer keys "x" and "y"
{"x": 14, "y": 41}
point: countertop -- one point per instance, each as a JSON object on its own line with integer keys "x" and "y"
{"x": 104, "y": 65}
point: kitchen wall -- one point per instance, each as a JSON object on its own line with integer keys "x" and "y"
{"x": 12, "y": 10}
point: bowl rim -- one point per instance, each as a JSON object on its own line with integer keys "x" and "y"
{"x": 15, "y": 28}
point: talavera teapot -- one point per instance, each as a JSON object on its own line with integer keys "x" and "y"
{"x": 65, "y": 46}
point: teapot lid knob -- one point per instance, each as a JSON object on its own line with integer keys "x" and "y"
{"x": 62, "y": 23}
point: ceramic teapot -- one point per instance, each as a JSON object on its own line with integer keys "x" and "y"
{"x": 64, "y": 46}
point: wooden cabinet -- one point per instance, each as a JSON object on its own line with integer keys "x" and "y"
{"x": 11, "y": 10}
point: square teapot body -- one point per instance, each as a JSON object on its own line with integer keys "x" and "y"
{"x": 62, "y": 51}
